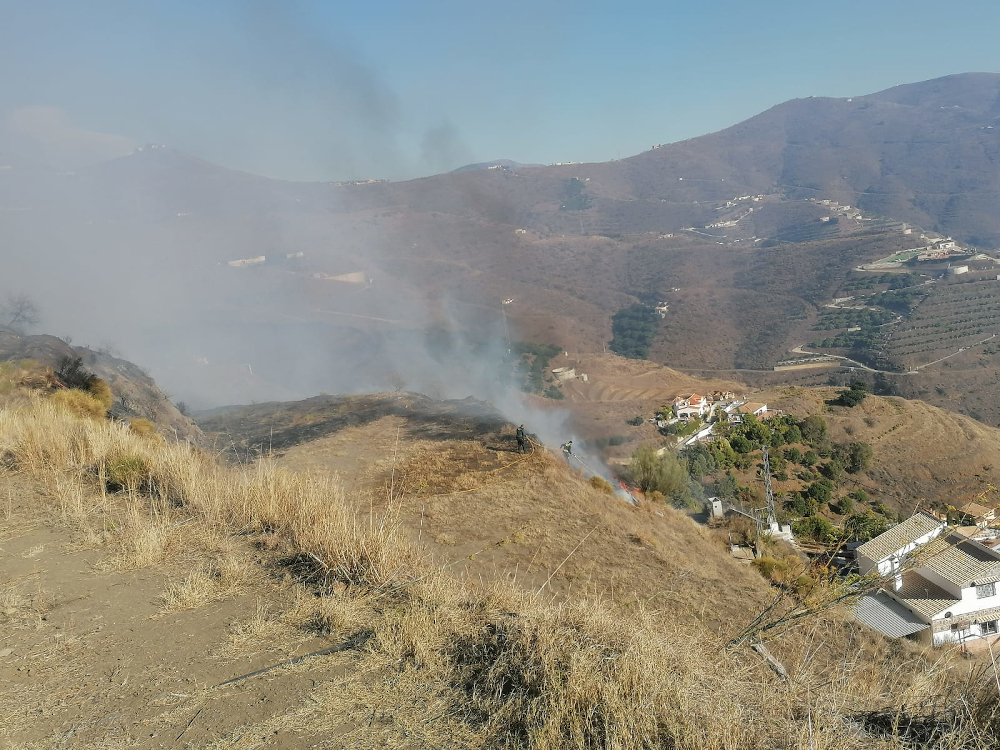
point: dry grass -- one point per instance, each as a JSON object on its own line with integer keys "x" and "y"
{"x": 450, "y": 663}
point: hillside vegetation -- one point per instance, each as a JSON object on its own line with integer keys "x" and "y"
{"x": 425, "y": 659}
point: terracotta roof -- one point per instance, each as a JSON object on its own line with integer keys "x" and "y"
{"x": 923, "y": 597}
{"x": 688, "y": 397}
{"x": 899, "y": 536}
{"x": 975, "y": 509}
{"x": 959, "y": 560}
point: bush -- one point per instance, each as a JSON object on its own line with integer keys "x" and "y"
{"x": 793, "y": 454}
{"x": 601, "y": 485}
{"x": 143, "y": 427}
{"x": 821, "y": 491}
{"x": 854, "y": 395}
{"x": 801, "y": 505}
{"x": 843, "y": 506}
{"x": 128, "y": 472}
{"x": 813, "y": 430}
{"x": 636, "y": 421}
{"x": 859, "y": 496}
{"x": 864, "y": 526}
{"x": 816, "y": 528}
{"x": 72, "y": 374}
{"x": 665, "y": 474}
{"x": 81, "y": 403}
{"x": 553, "y": 392}
{"x": 770, "y": 568}
{"x": 100, "y": 390}
{"x": 858, "y": 457}
{"x": 740, "y": 444}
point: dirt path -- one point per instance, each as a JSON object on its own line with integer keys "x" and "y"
{"x": 90, "y": 658}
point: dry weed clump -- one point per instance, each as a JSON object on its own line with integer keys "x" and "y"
{"x": 80, "y": 402}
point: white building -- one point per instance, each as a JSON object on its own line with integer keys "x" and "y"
{"x": 691, "y": 405}
{"x": 941, "y": 586}
{"x": 736, "y": 411}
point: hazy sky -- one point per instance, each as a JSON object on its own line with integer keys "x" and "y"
{"x": 343, "y": 90}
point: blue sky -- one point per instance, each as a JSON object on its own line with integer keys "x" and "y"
{"x": 345, "y": 90}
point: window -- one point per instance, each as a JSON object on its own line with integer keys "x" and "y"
{"x": 988, "y": 628}
{"x": 984, "y": 590}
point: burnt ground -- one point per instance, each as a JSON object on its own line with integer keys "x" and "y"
{"x": 248, "y": 431}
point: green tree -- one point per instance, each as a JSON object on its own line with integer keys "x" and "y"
{"x": 665, "y": 474}
{"x": 821, "y": 491}
{"x": 740, "y": 444}
{"x": 854, "y": 395}
{"x": 726, "y": 485}
{"x": 814, "y": 430}
{"x": 801, "y": 505}
{"x": 863, "y": 526}
{"x": 633, "y": 330}
{"x": 816, "y": 528}
{"x": 810, "y": 458}
{"x": 845, "y": 505}
{"x": 859, "y": 457}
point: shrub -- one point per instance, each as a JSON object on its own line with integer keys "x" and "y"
{"x": 854, "y": 395}
{"x": 72, "y": 374}
{"x": 864, "y": 526}
{"x": 810, "y": 458}
{"x": 100, "y": 390}
{"x": 821, "y": 490}
{"x": 636, "y": 421}
{"x": 143, "y": 427}
{"x": 859, "y": 457}
{"x": 80, "y": 403}
{"x": 665, "y": 474}
{"x": 859, "y": 496}
{"x": 813, "y": 429}
{"x": 601, "y": 485}
{"x": 843, "y": 506}
{"x": 816, "y": 528}
{"x": 801, "y": 505}
{"x": 126, "y": 472}
{"x": 769, "y": 567}
{"x": 740, "y": 444}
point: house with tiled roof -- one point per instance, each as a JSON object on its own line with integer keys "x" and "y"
{"x": 939, "y": 586}
{"x": 740, "y": 410}
{"x": 978, "y": 514}
{"x": 691, "y": 405}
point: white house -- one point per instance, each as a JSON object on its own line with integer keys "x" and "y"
{"x": 941, "y": 586}
{"x": 691, "y": 405}
{"x": 737, "y": 411}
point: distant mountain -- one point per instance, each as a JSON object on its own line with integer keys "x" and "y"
{"x": 572, "y": 243}
{"x": 496, "y": 163}
{"x": 927, "y": 153}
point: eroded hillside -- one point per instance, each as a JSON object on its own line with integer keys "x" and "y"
{"x": 256, "y": 604}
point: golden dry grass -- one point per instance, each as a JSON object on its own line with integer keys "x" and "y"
{"x": 451, "y": 663}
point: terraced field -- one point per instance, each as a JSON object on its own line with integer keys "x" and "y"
{"x": 952, "y": 317}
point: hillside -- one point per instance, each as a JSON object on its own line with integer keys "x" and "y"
{"x": 340, "y": 287}
{"x": 135, "y": 394}
{"x": 283, "y": 607}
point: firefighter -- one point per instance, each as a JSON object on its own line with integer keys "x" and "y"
{"x": 567, "y": 449}
{"x": 522, "y": 440}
